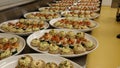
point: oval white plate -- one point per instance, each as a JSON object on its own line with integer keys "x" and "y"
{"x": 38, "y": 34}
{"x": 41, "y": 9}
{"x": 88, "y": 0}
{"x": 11, "y": 62}
{"x": 95, "y": 4}
{"x": 98, "y": 9}
{"x": 21, "y": 44}
{"x": 21, "y": 34}
{"x": 25, "y": 15}
{"x": 84, "y": 30}
{"x": 97, "y": 15}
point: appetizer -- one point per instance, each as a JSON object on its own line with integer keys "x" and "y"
{"x": 66, "y": 64}
{"x": 51, "y": 65}
{"x": 43, "y": 46}
{"x": 24, "y": 62}
{"x": 53, "y": 49}
{"x": 38, "y": 64}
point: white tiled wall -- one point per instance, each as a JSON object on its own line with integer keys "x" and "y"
{"x": 106, "y": 2}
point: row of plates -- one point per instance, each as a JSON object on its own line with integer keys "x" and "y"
{"x": 77, "y": 4}
{"x": 12, "y": 61}
{"x": 41, "y": 33}
{"x": 72, "y": 3}
{"x": 67, "y": 9}
{"x": 60, "y": 15}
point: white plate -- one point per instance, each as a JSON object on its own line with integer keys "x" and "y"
{"x": 11, "y": 62}
{"x": 21, "y": 34}
{"x": 22, "y": 42}
{"x": 96, "y": 15}
{"x": 38, "y": 34}
{"x": 95, "y": 4}
{"x": 88, "y": 0}
{"x": 25, "y": 15}
{"x": 98, "y": 9}
{"x": 84, "y": 30}
{"x": 42, "y": 9}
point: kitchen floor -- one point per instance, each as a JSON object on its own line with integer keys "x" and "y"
{"x": 107, "y": 55}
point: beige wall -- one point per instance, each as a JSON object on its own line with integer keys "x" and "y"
{"x": 106, "y": 2}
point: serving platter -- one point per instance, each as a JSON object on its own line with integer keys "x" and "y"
{"x": 23, "y": 27}
{"x": 87, "y": 4}
{"x": 93, "y": 1}
{"x": 13, "y": 61}
{"x": 60, "y": 4}
{"x": 52, "y": 9}
{"x": 18, "y": 47}
{"x": 62, "y": 23}
{"x": 80, "y": 14}
{"x": 39, "y": 34}
{"x": 46, "y": 16}
{"x": 84, "y": 8}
